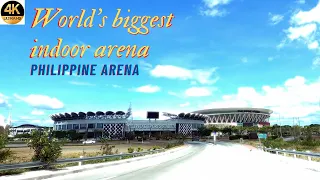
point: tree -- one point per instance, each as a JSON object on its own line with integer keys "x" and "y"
{"x": 5, "y": 153}
{"x": 308, "y": 133}
{"x": 22, "y": 136}
{"x": 73, "y": 135}
{"x": 227, "y": 130}
{"x": 60, "y": 134}
{"x": 214, "y": 128}
{"x": 203, "y": 131}
{"x": 106, "y": 148}
{"x": 46, "y": 148}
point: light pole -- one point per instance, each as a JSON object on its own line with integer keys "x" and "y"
{"x": 280, "y": 126}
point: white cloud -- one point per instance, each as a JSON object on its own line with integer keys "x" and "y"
{"x": 173, "y": 93}
{"x": 203, "y": 76}
{"x": 37, "y": 112}
{"x": 145, "y": 65}
{"x": 148, "y": 89}
{"x": 282, "y": 43}
{"x": 193, "y": 83}
{"x": 301, "y": 1}
{"x": 212, "y": 8}
{"x": 25, "y": 118}
{"x": 4, "y": 101}
{"x": 2, "y": 120}
{"x": 244, "y": 60}
{"x": 116, "y": 86}
{"x": 295, "y": 98}
{"x": 275, "y": 18}
{"x": 304, "y": 27}
{"x": 42, "y": 122}
{"x": 270, "y": 58}
{"x": 41, "y": 101}
{"x": 214, "y": 3}
{"x": 185, "y": 104}
{"x": 213, "y": 12}
{"x": 316, "y": 63}
{"x": 198, "y": 92}
{"x": 77, "y": 83}
{"x": 188, "y": 17}
{"x": 305, "y": 17}
{"x": 302, "y": 32}
{"x": 313, "y": 45}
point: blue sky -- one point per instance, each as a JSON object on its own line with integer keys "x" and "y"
{"x": 218, "y": 53}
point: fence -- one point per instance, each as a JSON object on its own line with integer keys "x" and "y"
{"x": 293, "y": 152}
{"x": 72, "y": 160}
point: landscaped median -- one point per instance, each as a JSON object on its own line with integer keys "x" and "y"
{"x": 94, "y": 163}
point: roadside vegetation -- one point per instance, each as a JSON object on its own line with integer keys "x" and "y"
{"x": 299, "y": 138}
{"x": 5, "y": 153}
{"x": 48, "y": 147}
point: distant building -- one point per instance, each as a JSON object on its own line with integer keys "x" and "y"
{"x": 25, "y": 129}
{"x": 237, "y": 116}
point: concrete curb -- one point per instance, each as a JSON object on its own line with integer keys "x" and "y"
{"x": 77, "y": 169}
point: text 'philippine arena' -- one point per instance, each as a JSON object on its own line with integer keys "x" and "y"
{"x": 119, "y": 123}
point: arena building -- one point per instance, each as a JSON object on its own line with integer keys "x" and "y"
{"x": 236, "y": 116}
{"x": 117, "y": 124}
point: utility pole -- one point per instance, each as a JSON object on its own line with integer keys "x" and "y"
{"x": 293, "y": 129}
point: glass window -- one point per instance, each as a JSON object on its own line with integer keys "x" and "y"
{"x": 69, "y": 126}
{"x": 99, "y": 125}
{"x": 91, "y": 126}
{"x": 64, "y": 127}
{"x": 75, "y": 126}
{"x": 83, "y": 126}
{"x": 59, "y": 127}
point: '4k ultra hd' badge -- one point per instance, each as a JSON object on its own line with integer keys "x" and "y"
{"x": 12, "y": 12}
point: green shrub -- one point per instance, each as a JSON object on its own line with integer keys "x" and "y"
{"x": 106, "y": 148}
{"x": 4, "y": 152}
{"x": 234, "y": 137}
{"x": 244, "y": 136}
{"x": 130, "y": 150}
{"x": 46, "y": 149}
{"x": 139, "y": 149}
{"x": 272, "y": 137}
{"x": 156, "y": 147}
{"x": 22, "y": 136}
{"x": 174, "y": 144}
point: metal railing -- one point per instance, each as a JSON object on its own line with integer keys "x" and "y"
{"x": 293, "y": 152}
{"x": 27, "y": 165}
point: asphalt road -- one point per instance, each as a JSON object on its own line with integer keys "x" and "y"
{"x": 222, "y": 161}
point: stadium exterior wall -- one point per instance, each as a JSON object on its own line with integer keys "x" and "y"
{"x": 119, "y": 127}
{"x": 237, "y": 116}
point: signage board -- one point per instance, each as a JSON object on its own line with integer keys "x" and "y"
{"x": 262, "y": 136}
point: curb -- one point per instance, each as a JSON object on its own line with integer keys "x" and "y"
{"x": 83, "y": 168}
